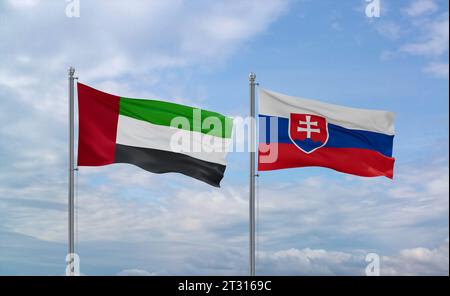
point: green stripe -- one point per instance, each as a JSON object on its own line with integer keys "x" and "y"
{"x": 162, "y": 113}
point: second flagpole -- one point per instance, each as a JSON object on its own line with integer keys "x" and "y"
{"x": 71, "y": 200}
{"x": 252, "y": 229}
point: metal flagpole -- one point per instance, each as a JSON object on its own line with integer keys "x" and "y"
{"x": 71, "y": 171}
{"x": 252, "y": 78}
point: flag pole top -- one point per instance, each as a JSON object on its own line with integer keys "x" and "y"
{"x": 71, "y": 71}
{"x": 252, "y": 77}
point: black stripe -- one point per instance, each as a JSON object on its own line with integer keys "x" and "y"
{"x": 160, "y": 161}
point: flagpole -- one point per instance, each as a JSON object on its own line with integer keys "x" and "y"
{"x": 71, "y": 72}
{"x": 252, "y": 78}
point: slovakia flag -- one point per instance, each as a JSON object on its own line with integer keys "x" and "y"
{"x": 296, "y": 132}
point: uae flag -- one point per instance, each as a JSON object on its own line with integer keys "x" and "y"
{"x": 157, "y": 136}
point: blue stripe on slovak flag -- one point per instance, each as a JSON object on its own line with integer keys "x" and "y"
{"x": 339, "y": 137}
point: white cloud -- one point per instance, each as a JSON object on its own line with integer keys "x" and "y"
{"x": 428, "y": 35}
{"x": 437, "y": 69}
{"x": 434, "y": 41}
{"x": 415, "y": 261}
{"x": 200, "y": 259}
{"x": 418, "y": 261}
{"x": 389, "y": 30}
{"x": 23, "y": 4}
{"x": 307, "y": 262}
{"x": 421, "y": 7}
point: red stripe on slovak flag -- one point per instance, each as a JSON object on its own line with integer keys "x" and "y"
{"x": 98, "y": 117}
{"x": 360, "y": 162}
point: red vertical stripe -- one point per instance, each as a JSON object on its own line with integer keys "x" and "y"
{"x": 98, "y": 117}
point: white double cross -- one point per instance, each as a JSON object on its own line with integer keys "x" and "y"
{"x": 308, "y": 129}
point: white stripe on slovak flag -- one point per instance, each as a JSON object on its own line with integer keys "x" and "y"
{"x": 280, "y": 105}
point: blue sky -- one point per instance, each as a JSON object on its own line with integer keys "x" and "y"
{"x": 311, "y": 220}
